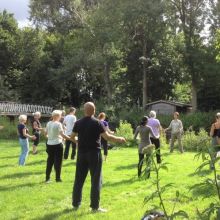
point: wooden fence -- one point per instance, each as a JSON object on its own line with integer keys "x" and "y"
{"x": 14, "y": 109}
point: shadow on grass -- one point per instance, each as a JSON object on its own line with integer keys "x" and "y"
{"x": 37, "y": 162}
{"x": 71, "y": 163}
{"x": 9, "y": 157}
{"x": 126, "y": 167}
{"x": 200, "y": 173}
{"x": 20, "y": 175}
{"x": 122, "y": 182}
{"x": 59, "y": 215}
{"x": 202, "y": 190}
{"x": 16, "y": 187}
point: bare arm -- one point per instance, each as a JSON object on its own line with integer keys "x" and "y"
{"x": 112, "y": 138}
{"x": 136, "y": 133}
{"x": 36, "y": 127}
{"x": 212, "y": 130}
{"x": 25, "y": 134}
{"x": 73, "y": 137}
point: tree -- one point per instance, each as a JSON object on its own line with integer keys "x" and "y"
{"x": 190, "y": 15}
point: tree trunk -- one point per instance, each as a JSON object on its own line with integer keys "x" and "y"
{"x": 144, "y": 74}
{"x": 108, "y": 84}
{"x": 194, "y": 96}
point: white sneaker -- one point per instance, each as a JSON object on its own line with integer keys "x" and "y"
{"x": 99, "y": 210}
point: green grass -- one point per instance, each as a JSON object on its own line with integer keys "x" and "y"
{"x": 24, "y": 195}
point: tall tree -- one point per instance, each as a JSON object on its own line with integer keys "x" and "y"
{"x": 191, "y": 15}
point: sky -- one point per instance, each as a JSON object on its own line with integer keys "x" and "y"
{"x": 19, "y": 8}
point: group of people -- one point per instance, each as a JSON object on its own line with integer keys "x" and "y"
{"x": 86, "y": 133}
{"x": 89, "y": 135}
{"x": 150, "y": 130}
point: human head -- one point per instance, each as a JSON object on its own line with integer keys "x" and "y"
{"x": 72, "y": 110}
{"x": 176, "y": 115}
{"x": 89, "y": 109}
{"x": 102, "y": 116}
{"x": 217, "y": 115}
{"x": 152, "y": 114}
{"x": 56, "y": 115}
{"x": 22, "y": 118}
{"x": 144, "y": 120}
{"x": 37, "y": 115}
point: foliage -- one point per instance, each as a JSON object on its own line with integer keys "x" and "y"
{"x": 151, "y": 165}
{"x": 195, "y": 142}
{"x": 125, "y": 130}
{"x": 9, "y": 130}
{"x": 211, "y": 159}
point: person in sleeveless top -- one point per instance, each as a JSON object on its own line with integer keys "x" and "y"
{"x": 145, "y": 132}
{"x": 176, "y": 128}
{"x": 36, "y": 129}
{"x": 23, "y": 136}
{"x": 55, "y": 134}
{"x": 104, "y": 143}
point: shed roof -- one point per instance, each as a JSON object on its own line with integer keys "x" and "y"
{"x": 179, "y": 104}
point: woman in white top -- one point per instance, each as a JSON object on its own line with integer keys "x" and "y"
{"x": 55, "y": 135}
{"x": 176, "y": 128}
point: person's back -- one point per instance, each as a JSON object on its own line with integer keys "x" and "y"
{"x": 69, "y": 122}
{"x": 53, "y": 132}
{"x": 89, "y": 130}
{"x": 155, "y": 125}
{"x": 144, "y": 132}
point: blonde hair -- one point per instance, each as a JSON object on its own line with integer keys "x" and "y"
{"x": 22, "y": 118}
{"x": 101, "y": 116}
{"x": 56, "y": 113}
{"x": 36, "y": 114}
{"x": 152, "y": 114}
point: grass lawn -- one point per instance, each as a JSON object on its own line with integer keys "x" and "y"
{"x": 24, "y": 195}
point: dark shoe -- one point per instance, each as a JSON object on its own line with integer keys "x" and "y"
{"x": 59, "y": 181}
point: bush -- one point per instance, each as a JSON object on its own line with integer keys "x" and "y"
{"x": 9, "y": 130}
{"x": 196, "y": 142}
{"x": 125, "y": 130}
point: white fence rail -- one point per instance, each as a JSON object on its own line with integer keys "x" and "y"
{"x": 7, "y": 108}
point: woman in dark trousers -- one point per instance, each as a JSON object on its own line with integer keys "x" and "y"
{"x": 104, "y": 143}
{"x": 145, "y": 133}
{"x": 55, "y": 133}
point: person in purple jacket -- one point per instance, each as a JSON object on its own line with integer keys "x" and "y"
{"x": 104, "y": 143}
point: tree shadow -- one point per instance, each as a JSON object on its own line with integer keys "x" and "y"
{"x": 126, "y": 167}
{"x": 36, "y": 162}
{"x": 10, "y": 188}
{"x": 20, "y": 175}
{"x": 200, "y": 173}
{"x": 72, "y": 163}
{"x": 202, "y": 190}
{"x": 9, "y": 157}
{"x": 122, "y": 182}
{"x": 59, "y": 214}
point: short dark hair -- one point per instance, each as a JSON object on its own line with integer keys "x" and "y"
{"x": 144, "y": 121}
{"x": 72, "y": 109}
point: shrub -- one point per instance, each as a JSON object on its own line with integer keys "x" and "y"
{"x": 196, "y": 142}
{"x": 125, "y": 130}
{"x": 9, "y": 130}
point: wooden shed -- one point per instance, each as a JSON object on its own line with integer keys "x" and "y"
{"x": 168, "y": 107}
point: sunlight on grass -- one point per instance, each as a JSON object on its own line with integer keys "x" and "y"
{"x": 24, "y": 195}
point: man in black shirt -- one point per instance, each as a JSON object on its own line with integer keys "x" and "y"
{"x": 89, "y": 131}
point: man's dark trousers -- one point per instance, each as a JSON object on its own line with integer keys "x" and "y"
{"x": 156, "y": 142}
{"x": 67, "y": 147}
{"x": 89, "y": 161}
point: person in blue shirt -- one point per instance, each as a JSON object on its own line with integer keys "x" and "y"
{"x": 23, "y": 139}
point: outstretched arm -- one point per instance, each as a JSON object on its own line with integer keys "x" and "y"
{"x": 112, "y": 138}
